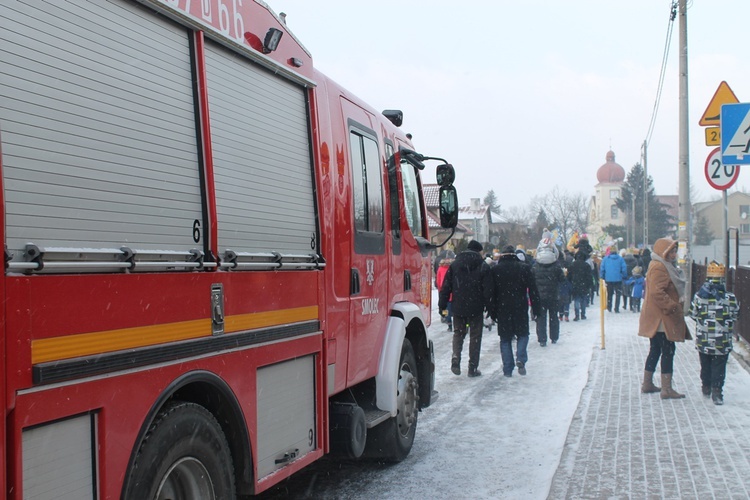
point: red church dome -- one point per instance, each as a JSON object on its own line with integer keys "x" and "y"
{"x": 610, "y": 172}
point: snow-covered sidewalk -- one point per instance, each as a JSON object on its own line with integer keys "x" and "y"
{"x": 624, "y": 444}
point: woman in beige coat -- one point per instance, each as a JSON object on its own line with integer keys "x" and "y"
{"x": 662, "y": 319}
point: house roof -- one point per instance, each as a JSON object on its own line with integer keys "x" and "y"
{"x": 466, "y": 212}
{"x": 699, "y": 207}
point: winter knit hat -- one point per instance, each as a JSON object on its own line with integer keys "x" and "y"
{"x": 509, "y": 249}
{"x": 475, "y": 246}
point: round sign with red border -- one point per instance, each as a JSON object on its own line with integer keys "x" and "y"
{"x": 718, "y": 175}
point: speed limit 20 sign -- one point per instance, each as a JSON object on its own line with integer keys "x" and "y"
{"x": 718, "y": 175}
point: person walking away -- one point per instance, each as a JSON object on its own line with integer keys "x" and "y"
{"x": 662, "y": 320}
{"x": 613, "y": 271}
{"x": 465, "y": 280}
{"x": 566, "y": 291}
{"x": 636, "y": 283}
{"x": 645, "y": 259}
{"x": 548, "y": 278}
{"x": 630, "y": 263}
{"x": 446, "y": 315}
{"x": 715, "y": 311}
{"x": 583, "y": 246}
{"x": 581, "y": 277}
{"x": 509, "y": 288}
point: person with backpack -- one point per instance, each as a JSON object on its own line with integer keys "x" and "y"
{"x": 548, "y": 278}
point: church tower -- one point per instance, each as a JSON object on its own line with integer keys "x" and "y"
{"x": 604, "y": 211}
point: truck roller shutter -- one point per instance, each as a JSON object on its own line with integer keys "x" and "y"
{"x": 261, "y": 151}
{"x": 97, "y": 127}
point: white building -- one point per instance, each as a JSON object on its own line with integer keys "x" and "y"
{"x": 604, "y": 211}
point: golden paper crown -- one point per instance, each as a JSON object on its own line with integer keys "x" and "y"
{"x": 715, "y": 270}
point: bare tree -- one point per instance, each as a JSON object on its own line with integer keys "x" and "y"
{"x": 567, "y": 212}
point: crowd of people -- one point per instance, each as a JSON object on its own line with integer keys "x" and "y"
{"x": 507, "y": 288}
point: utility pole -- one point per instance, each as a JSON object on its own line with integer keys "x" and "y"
{"x": 645, "y": 194}
{"x": 684, "y": 223}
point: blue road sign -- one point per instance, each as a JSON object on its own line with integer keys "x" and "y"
{"x": 735, "y": 134}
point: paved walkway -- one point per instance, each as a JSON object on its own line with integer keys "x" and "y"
{"x": 624, "y": 444}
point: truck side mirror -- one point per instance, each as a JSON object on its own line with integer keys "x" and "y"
{"x": 448, "y": 206}
{"x": 445, "y": 174}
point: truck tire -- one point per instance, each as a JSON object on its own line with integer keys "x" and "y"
{"x": 392, "y": 440}
{"x": 184, "y": 456}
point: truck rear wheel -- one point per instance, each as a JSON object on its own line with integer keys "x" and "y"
{"x": 184, "y": 456}
{"x": 392, "y": 440}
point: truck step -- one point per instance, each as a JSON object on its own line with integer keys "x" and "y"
{"x": 374, "y": 417}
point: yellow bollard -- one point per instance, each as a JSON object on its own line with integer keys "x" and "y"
{"x": 602, "y": 306}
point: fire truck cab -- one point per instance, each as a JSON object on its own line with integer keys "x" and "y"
{"x": 217, "y": 261}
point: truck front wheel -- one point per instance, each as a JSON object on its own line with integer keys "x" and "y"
{"x": 184, "y": 456}
{"x": 392, "y": 440}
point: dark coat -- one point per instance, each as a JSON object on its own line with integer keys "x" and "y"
{"x": 630, "y": 263}
{"x": 584, "y": 247}
{"x": 465, "y": 280}
{"x": 548, "y": 278}
{"x": 582, "y": 277}
{"x": 509, "y": 287}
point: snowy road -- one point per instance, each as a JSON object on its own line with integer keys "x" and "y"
{"x": 486, "y": 437}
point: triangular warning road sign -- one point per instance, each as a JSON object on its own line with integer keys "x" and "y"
{"x": 723, "y": 95}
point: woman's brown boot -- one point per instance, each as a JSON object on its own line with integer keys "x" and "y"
{"x": 648, "y": 383}
{"x": 666, "y": 388}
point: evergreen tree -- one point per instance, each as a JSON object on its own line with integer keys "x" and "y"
{"x": 491, "y": 201}
{"x": 541, "y": 223}
{"x": 702, "y": 233}
{"x": 659, "y": 221}
{"x": 615, "y": 231}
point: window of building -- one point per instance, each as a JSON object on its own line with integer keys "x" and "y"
{"x": 744, "y": 228}
{"x": 744, "y": 212}
{"x": 614, "y": 194}
{"x": 614, "y": 213}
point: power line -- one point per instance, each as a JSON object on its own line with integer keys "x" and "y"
{"x": 665, "y": 57}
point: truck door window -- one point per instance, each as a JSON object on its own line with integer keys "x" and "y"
{"x": 367, "y": 184}
{"x": 411, "y": 199}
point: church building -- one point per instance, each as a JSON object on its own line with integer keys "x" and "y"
{"x": 603, "y": 210}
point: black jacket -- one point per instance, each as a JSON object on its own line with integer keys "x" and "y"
{"x": 509, "y": 287}
{"x": 582, "y": 277}
{"x": 548, "y": 278}
{"x": 465, "y": 280}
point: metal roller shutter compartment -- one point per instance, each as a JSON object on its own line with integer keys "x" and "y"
{"x": 261, "y": 150}
{"x": 97, "y": 127}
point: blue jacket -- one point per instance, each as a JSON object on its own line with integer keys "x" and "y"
{"x": 638, "y": 283}
{"x": 613, "y": 268}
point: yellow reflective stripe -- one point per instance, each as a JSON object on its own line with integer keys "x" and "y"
{"x": 86, "y": 344}
{"x": 241, "y": 322}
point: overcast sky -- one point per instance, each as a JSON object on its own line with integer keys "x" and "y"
{"x": 522, "y": 96}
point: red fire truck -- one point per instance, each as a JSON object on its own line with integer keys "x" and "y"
{"x": 216, "y": 259}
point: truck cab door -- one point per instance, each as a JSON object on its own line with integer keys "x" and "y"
{"x": 370, "y": 272}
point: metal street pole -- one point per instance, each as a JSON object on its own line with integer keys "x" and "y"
{"x": 645, "y": 194}
{"x": 684, "y": 229}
